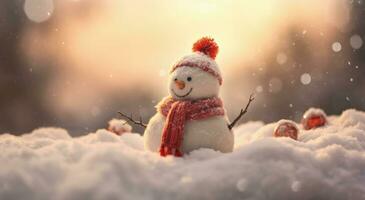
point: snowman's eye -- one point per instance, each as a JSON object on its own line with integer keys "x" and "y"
{"x": 189, "y": 79}
{"x": 175, "y": 79}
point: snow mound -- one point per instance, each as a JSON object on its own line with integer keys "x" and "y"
{"x": 325, "y": 163}
{"x": 119, "y": 126}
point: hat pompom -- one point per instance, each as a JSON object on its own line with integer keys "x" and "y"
{"x": 207, "y": 46}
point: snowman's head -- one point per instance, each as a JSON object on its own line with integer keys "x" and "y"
{"x": 192, "y": 83}
{"x": 196, "y": 76}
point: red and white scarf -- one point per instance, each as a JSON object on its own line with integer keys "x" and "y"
{"x": 177, "y": 113}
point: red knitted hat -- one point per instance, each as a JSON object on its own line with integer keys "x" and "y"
{"x": 205, "y": 50}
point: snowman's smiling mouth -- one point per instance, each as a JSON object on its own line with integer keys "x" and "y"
{"x": 181, "y": 96}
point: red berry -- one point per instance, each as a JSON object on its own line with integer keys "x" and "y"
{"x": 286, "y": 128}
{"x": 314, "y": 118}
{"x": 117, "y": 132}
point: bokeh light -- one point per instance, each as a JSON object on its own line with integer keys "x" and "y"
{"x": 305, "y": 78}
{"x": 75, "y": 63}
{"x": 356, "y": 41}
{"x": 38, "y": 10}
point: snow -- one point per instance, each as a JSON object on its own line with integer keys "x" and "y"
{"x": 119, "y": 126}
{"x": 325, "y": 163}
{"x": 314, "y": 111}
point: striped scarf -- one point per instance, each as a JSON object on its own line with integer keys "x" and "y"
{"x": 177, "y": 113}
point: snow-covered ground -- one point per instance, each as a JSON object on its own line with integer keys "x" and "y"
{"x": 326, "y": 163}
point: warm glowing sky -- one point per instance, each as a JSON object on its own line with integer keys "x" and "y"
{"x": 124, "y": 44}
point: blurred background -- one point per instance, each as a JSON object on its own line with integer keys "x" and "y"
{"x": 75, "y": 63}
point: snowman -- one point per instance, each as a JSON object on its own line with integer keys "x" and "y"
{"x": 192, "y": 116}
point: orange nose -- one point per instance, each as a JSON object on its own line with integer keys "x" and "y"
{"x": 180, "y": 84}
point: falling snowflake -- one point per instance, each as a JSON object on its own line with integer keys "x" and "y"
{"x": 275, "y": 85}
{"x": 162, "y": 73}
{"x": 305, "y": 78}
{"x": 336, "y": 47}
{"x": 95, "y": 111}
{"x": 186, "y": 179}
{"x": 296, "y": 186}
{"x": 281, "y": 58}
{"x": 241, "y": 185}
{"x": 259, "y": 89}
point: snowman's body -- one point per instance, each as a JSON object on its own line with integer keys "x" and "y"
{"x": 210, "y": 133}
{"x": 195, "y": 77}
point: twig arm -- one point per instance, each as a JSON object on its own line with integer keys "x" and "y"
{"x": 139, "y": 123}
{"x": 242, "y": 112}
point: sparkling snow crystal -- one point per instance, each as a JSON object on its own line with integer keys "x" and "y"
{"x": 325, "y": 163}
